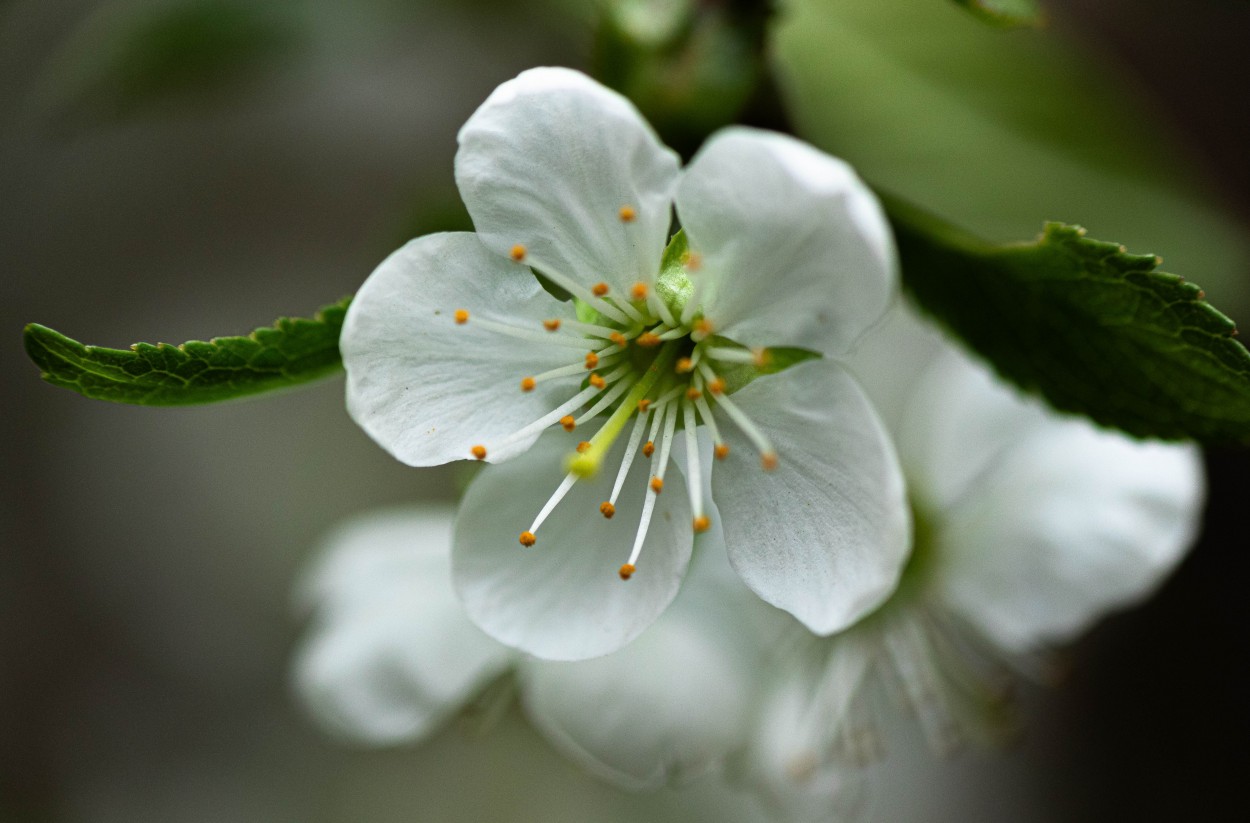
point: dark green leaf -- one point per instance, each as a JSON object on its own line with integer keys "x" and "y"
{"x": 1007, "y": 13}
{"x": 292, "y": 351}
{"x": 1093, "y": 329}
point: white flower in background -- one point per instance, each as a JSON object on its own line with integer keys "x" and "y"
{"x": 454, "y": 349}
{"x": 391, "y": 655}
{"x": 1029, "y": 527}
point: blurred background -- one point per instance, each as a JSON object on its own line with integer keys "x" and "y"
{"x": 177, "y": 169}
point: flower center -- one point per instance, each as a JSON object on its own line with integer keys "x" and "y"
{"x": 645, "y": 360}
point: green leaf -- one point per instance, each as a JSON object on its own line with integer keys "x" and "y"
{"x": 294, "y": 350}
{"x": 1093, "y": 329}
{"x": 1006, "y": 13}
{"x": 126, "y": 57}
{"x": 997, "y": 131}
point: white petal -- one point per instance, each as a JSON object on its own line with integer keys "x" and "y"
{"x": 428, "y": 389}
{"x": 1068, "y": 525}
{"x": 824, "y": 535}
{"x": 561, "y": 599}
{"x": 675, "y": 701}
{"x": 391, "y": 653}
{"x": 548, "y": 162}
{"x": 959, "y": 418}
{"x": 796, "y": 759}
{"x": 795, "y": 247}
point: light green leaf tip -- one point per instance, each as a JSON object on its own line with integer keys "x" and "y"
{"x": 294, "y": 350}
{"x": 1006, "y": 13}
{"x": 1093, "y": 329}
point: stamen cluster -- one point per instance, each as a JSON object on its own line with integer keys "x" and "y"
{"x": 643, "y": 359}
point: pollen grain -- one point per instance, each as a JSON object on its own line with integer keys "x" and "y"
{"x": 657, "y": 485}
{"x": 478, "y": 452}
{"x": 552, "y": 325}
{"x": 768, "y": 460}
{"x": 568, "y": 422}
{"x": 627, "y": 571}
{"x": 628, "y": 214}
{"x": 528, "y": 539}
{"x": 518, "y": 253}
{"x": 528, "y": 383}
{"x": 722, "y": 451}
{"x": 639, "y": 291}
{"x": 592, "y": 360}
{"x": 607, "y": 509}
{"x": 648, "y": 449}
{"x": 597, "y": 380}
{"x": 599, "y": 289}
{"x": 701, "y": 524}
{"x": 461, "y": 316}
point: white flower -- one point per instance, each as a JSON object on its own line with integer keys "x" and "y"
{"x": 1030, "y": 526}
{"x": 391, "y": 656}
{"x": 454, "y": 349}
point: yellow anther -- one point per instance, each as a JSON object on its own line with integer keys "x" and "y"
{"x": 648, "y": 449}
{"x": 627, "y": 571}
{"x": 691, "y": 260}
{"x": 716, "y": 386}
{"x": 628, "y": 214}
{"x": 528, "y": 539}
{"x": 768, "y": 460}
{"x": 639, "y": 291}
{"x": 684, "y": 365}
{"x": 619, "y": 339}
{"x": 479, "y": 452}
{"x": 583, "y": 446}
{"x": 568, "y": 422}
{"x": 643, "y": 405}
{"x": 528, "y": 383}
{"x": 701, "y": 524}
{"x": 704, "y": 327}
{"x": 693, "y": 393}
{"x": 597, "y": 381}
{"x": 518, "y": 253}
{"x": 648, "y": 340}
{"x": 761, "y": 357}
{"x": 599, "y": 289}
{"x": 552, "y": 325}
{"x": 461, "y": 316}
{"x": 721, "y": 451}
{"x": 657, "y": 485}
{"x": 592, "y": 360}
{"x": 607, "y": 509}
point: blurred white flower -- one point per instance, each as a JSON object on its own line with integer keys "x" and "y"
{"x": 1029, "y": 527}
{"x": 391, "y": 656}
{"x": 455, "y": 350}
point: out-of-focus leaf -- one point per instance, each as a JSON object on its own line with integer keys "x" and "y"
{"x": 129, "y": 56}
{"x": 1007, "y": 13}
{"x": 1093, "y": 329}
{"x": 998, "y": 131}
{"x": 290, "y": 352}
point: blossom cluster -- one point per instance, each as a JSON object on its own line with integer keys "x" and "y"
{"x": 854, "y": 504}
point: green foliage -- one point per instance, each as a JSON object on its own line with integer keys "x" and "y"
{"x": 1093, "y": 329}
{"x": 290, "y": 352}
{"x": 128, "y": 57}
{"x": 1006, "y": 13}
{"x": 998, "y": 131}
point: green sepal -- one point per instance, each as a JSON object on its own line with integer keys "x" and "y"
{"x": 1091, "y": 328}
{"x": 673, "y": 284}
{"x": 293, "y": 351}
{"x": 738, "y": 375}
{"x": 1006, "y": 13}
